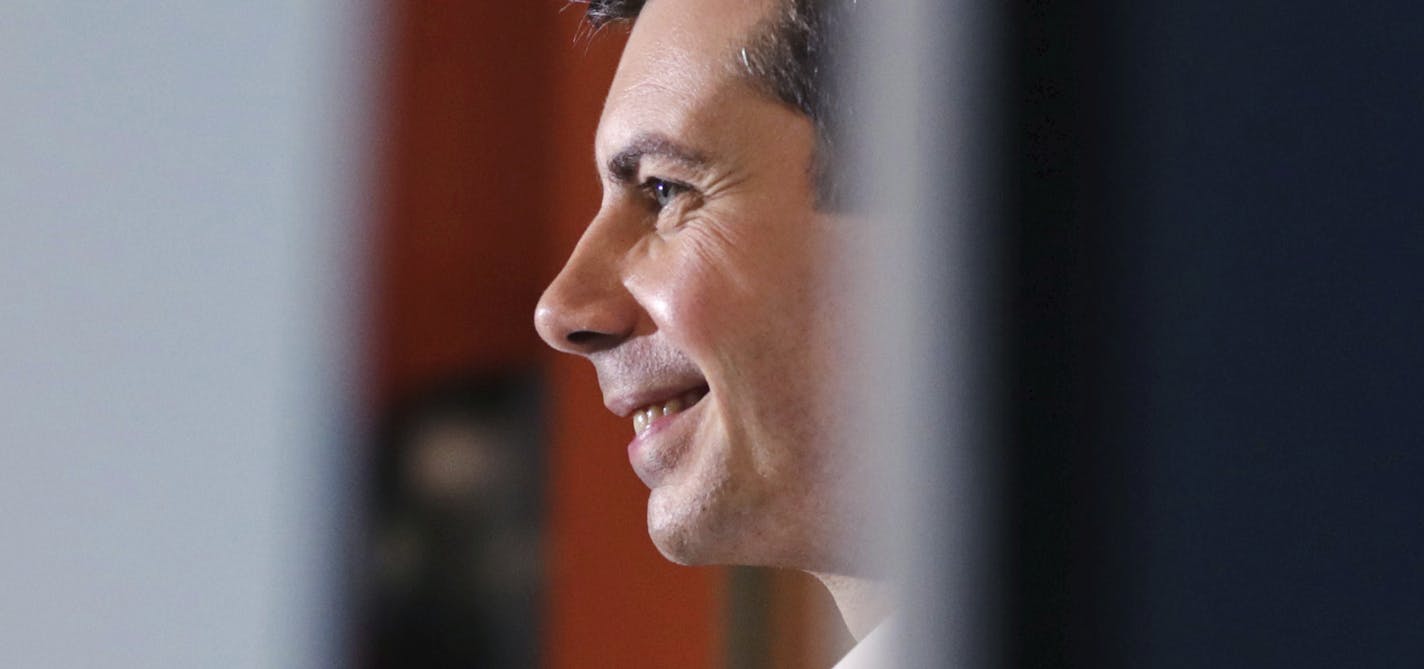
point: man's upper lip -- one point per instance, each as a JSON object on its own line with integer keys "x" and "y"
{"x": 625, "y": 403}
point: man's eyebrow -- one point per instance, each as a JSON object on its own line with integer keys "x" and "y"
{"x": 623, "y": 166}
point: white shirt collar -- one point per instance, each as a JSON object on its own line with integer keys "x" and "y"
{"x": 873, "y": 652}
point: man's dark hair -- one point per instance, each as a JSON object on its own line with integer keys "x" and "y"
{"x": 789, "y": 57}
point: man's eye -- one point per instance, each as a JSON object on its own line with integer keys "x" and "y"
{"x": 662, "y": 191}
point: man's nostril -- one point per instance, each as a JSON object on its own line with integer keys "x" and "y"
{"x": 583, "y": 337}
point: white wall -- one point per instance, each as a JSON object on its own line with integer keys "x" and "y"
{"x": 179, "y": 213}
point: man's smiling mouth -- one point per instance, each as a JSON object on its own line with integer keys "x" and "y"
{"x": 643, "y": 418}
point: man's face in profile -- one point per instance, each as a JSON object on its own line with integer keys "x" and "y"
{"x": 700, "y": 294}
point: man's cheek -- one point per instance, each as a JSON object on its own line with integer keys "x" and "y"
{"x": 688, "y": 314}
{"x": 690, "y": 299}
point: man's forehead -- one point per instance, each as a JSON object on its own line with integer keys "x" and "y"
{"x": 697, "y": 25}
{"x": 679, "y": 56}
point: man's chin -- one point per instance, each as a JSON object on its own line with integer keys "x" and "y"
{"x": 691, "y": 550}
{"x": 680, "y": 553}
{"x": 682, "y": 532}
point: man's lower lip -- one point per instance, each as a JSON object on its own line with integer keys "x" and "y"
{"x": 658, "y": 427}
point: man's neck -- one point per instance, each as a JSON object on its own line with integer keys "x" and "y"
{"x": 863, "y": 602}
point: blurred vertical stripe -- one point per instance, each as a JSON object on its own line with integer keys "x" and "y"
{"x": 182, "y": 188}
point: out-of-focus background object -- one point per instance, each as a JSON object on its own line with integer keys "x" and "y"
{"x": 1162, "y": 338}
{"x": 454, "y": 568}
{"x": 180, "y": 207}
{"x": 1218, "y": 240}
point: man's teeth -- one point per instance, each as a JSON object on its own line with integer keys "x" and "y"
{"x": 644, "y": 417}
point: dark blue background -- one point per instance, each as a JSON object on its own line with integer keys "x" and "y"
{"x": 1220, "y": 335}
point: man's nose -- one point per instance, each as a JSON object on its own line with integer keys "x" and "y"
{"x": 587, "y": 309}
